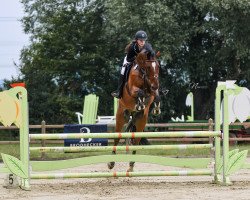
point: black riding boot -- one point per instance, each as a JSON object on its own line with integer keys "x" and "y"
{"x": 118, "y": 92}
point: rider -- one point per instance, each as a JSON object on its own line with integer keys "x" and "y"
{"x": 132, "y": 50}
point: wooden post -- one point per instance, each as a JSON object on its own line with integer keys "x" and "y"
{"x": 43, "y": 131}
{"x": 211, "y": 128}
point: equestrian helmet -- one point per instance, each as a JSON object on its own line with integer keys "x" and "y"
{"x": 141, "y": 35}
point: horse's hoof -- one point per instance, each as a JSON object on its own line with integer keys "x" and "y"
{"x": 130, "y": 169}
{"x": 111, "y": 165}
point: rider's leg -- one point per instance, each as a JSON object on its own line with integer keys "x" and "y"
{"x": 118, "y": 92}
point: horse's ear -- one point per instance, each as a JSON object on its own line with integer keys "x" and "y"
{"x": 158, "y": 54}
{"x": 140, "y": 59}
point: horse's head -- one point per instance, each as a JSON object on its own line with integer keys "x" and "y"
{"x": 150, "y": 68}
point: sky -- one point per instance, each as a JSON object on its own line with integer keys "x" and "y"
{"x": 12, "y": 37}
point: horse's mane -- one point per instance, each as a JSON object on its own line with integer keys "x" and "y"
{"x": 143, "y": 56}
{"x": 140, "y": 58}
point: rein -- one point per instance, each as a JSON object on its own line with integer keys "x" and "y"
{"x": 146, "y": 84}
{"x": 145, "y": 88}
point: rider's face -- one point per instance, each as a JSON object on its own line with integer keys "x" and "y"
{"x": 141, "y": 43}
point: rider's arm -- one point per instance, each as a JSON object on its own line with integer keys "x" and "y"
{"x": 149, "y": 48}
{"x": 132, "y": 52}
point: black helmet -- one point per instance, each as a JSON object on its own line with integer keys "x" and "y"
{"x": 141, "y": 35}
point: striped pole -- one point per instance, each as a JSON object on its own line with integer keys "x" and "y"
{"x": 119, "y": 148}
{"x": 120, "y": 174}
{"x": 125, "y": 135}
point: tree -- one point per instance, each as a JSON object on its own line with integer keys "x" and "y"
{"x": 66, "y": 59}
{"x": 202, "y": 42}
{"x": 77, "y": 47}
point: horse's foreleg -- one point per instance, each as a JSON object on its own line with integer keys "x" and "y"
{"x": 157, "y": 108}
{"x": 157, "y": 104}
{"x": 139, "y": 95}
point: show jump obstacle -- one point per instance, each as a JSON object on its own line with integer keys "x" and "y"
{"x": 14, "y": 109}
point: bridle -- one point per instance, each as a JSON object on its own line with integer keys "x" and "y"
{"x": 145, "y": 76}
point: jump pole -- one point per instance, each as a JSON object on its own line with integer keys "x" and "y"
{"x": 125, "y": 135}
{"x": 120, "y": 174}
{"x": 120, "y": 148}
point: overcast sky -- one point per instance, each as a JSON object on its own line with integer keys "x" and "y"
{"x": 12, "y": 37}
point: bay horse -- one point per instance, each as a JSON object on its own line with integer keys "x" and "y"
{"x": 139, "y": 92}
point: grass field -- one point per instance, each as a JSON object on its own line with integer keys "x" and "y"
{"x": 13, "y": 150}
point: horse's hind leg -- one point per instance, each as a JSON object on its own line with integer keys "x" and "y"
{"x": 139, "y": 126}
{"x": 120, "y": 121}
{"x": 112, "y": 164}
{"x": 131, "y": 164}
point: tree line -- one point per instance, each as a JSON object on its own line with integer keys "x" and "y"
{"x": 76, "y": 48}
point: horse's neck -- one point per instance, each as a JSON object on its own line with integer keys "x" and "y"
{"x": 135, "y": 71}
{"x": 138, "y": 72}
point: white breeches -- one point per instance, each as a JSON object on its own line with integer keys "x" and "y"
{"x": 124, "y": 65}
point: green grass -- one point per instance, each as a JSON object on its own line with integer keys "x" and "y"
{"x": 13, "y": 150}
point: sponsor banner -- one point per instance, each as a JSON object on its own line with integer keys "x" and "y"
{"x": 82, "y": 128}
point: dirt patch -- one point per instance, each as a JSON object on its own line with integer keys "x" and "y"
{"x": 193, "y": 188}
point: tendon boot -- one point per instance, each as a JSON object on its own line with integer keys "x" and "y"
{"x": 118, "y": 92}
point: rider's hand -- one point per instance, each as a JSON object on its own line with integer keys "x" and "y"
{"x": 152, "y": 53}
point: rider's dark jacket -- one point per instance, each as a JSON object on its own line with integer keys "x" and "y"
{"x": 133, "y": 50}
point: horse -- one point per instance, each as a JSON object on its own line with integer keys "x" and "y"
{"x": 139, "y": 92}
